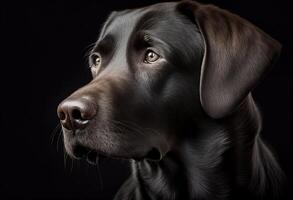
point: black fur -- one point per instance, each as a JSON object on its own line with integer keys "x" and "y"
{"x": 185, "y": 137}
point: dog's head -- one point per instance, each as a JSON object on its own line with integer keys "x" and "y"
{"x": 156, "y": 69}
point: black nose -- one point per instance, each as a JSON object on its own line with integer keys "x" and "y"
{"x": 75, "y": 113}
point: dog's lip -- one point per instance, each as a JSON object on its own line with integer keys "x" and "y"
{"x": 154, "y": 155}
{"x": 93, "y": 156}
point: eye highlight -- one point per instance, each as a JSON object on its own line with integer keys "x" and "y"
{"x": 151, "y": 56}
{"x": 97, "y": 61}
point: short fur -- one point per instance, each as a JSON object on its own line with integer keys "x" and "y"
{"x": 187, "y": 122}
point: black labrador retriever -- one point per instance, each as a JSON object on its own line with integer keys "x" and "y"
{"x": 171, "y": 92}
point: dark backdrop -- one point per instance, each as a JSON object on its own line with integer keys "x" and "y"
{"x": 43, "y": 59}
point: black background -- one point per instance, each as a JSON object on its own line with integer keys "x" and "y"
{"x": 43, "y": 59}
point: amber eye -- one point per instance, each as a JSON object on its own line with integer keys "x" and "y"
{"x": 97, "y": 60}
{"x": 151, "y": 57}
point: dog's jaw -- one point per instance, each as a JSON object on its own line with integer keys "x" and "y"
{"x": 196, "y": 169}
{"x": 181, "y": 175}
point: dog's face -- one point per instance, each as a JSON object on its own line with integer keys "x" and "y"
{"x": 148, "y": 81}
{"x": 143, "y": 83}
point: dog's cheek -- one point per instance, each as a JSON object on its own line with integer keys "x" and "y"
{"x": 180, "y": 97}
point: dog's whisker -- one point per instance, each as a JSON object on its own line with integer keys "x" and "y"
{"x": 88, "y": 49}
{"x": 87, "y": 168}
{"x": 152, "y": 131}
{"x": 54, "y": 132}
{"x": 59, "y": 136}
{"x": 65, "y": 155}
{"x": 142, "y": 130}
{"x": 71, "y": 168}
{"x": 137, "y": 127}
{"x": 116, "y": 127}
{"x": 130, "y": 127}
{"x": 99, "y": 175}
{"x": 133, "y": 125}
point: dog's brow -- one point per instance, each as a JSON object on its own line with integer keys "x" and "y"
{"x": 152, "y": 39}
{"x": 144, "y": 37}
{"x": 104, "y": 44}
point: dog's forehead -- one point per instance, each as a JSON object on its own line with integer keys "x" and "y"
{"x": 124, "y": 22}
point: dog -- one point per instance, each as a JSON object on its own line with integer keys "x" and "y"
{"x": 171, "y": 92}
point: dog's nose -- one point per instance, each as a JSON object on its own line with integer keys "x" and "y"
{"x": 76, "y": 113}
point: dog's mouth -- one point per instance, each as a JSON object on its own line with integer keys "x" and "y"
{"x": 90, "y": 155}
{"x": 154, "y": 155}
{"x": 94, "y": 156}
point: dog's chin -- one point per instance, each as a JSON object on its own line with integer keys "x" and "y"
{"x": 93, "y": 156}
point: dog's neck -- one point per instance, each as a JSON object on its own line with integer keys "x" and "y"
{"x": 198, "y": 168}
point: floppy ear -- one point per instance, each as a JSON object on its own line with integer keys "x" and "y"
{"x": 237, "y": 54}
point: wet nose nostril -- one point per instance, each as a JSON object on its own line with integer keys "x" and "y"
{"x": 80, "y": 116}
{"x": 61, "y": 115}
{"x": 76, "y": 114}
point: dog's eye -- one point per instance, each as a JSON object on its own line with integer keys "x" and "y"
{"x": 96, "y": 60}
{"x": 151, "y": 57}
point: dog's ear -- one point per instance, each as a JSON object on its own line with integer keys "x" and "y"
{"x": 236, "y": 56}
